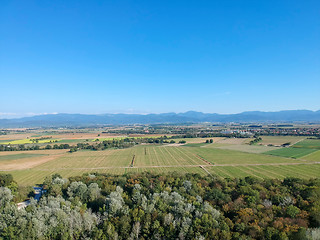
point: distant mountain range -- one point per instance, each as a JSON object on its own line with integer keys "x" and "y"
{"x": 73, "y": 120}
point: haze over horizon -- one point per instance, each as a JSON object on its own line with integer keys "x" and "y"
{"x": 18, "y": 116}
{"x": 157, "y": 57}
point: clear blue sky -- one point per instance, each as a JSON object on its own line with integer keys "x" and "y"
{"x": 158, "y": 56}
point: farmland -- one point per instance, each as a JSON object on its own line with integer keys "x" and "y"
{"x": 19, "y": 156}
{"x": 242, "y": 147}
{"x": 279, "y": 140}
{"x": 313, "y": 156}
{"x": 308, "y": 143}
{"x": 162, "y": 158}
{"x": 291, "y": 152}
{"x": 225, "y": 157}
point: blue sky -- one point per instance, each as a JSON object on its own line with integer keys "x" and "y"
{"x": 158, "y": 56}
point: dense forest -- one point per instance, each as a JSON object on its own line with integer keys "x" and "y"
{"x": 171, "y": 206}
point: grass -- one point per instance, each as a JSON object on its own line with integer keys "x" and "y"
{"x": 196, "y": 144}
{"x": 19, "y": 156}
{"x": 241, "y": 147}
{"x": 268, "y": 171}
{"x": 313, "y": 157}
{"x": 291, "y": 152}
{"x": 232, "y": 140}
{"x": 305, "y": 171}
{"x": 144, "y": 156}
{"x": 223, "y": 156}
{"x": 279, "y": 140}
{"x": 308, "y": 143}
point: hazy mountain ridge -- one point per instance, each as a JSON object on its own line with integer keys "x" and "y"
{"x": 64, "y": 119}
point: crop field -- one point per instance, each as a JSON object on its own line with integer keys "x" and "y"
{"x": 196, "y": 144}
{"x": 234, "y": 140}
{"x": 241, "y": 147}
{"x": 27, "y": 159}
{"x": 19, "y": 156}
{"x": 222, "y": 156}
{"x": 308, "y": 143}
{"x": 225, "y": 158}
{"x": 279, "y": 140}
{"x": 291, "y": 152}
{"x": 313, "y": 156}
{"x": 267, "y": 171}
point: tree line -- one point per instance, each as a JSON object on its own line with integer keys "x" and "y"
{"x": 170, "y": 206}
{"x": 97, "y": 145}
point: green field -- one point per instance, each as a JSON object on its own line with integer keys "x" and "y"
{"x": 196, "y": 144}
{"x": 225, "y": 160}
{"x": 266, "y": 171}
{"x": 291, "y": 152}
{"x": 279, "y": 140}
{"x": 313, "y": 157}
{"x": 33, "y": 176}
{"x": 241, "y": 147}
{"x": 223, "y": 156}
{"x": 19, "y": 156}
{"x": 308, "y": 143}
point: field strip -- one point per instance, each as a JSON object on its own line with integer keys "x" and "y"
{"x": 104, "y": 158}
{"x": 156, "y": 155}
{"x": 202, "y": 167}
{"x": 168, "y": 166}
{"x": 218, "y": 172}
{"x": 294, "y": 173}
{"x": 199, "y": 157}
{"x": 308, "y": 155}
{"x": 163, "y": 156}
{"x": 179, "y": 150}
{"x": 179, "y": 159}
{"x": 148, "y": 155}
{"x": 305, "y": 171}
{"x": 175, "y": 159}
{"x": 170, "y": 154}
{"x": 274, "y": 174}
{"x": 308, "y": 170}
{"x": 250, "y": 172}
{"x": 237, "y": 172}
{"x": 226, "y": 173}
{"x": 38, "y": 161}
{"x": 241, "y": 171}
{"x": 258, "y": 173}
{"x": 41, "y": 174}
{"x": 298, "y": 141}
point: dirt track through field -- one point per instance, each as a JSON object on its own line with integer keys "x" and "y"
{"x": 203, "y": 168}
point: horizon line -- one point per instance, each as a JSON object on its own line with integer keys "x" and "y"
{"x": 30, "y": 114}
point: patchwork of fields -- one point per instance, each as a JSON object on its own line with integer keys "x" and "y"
{"x": 224, "y": 157}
